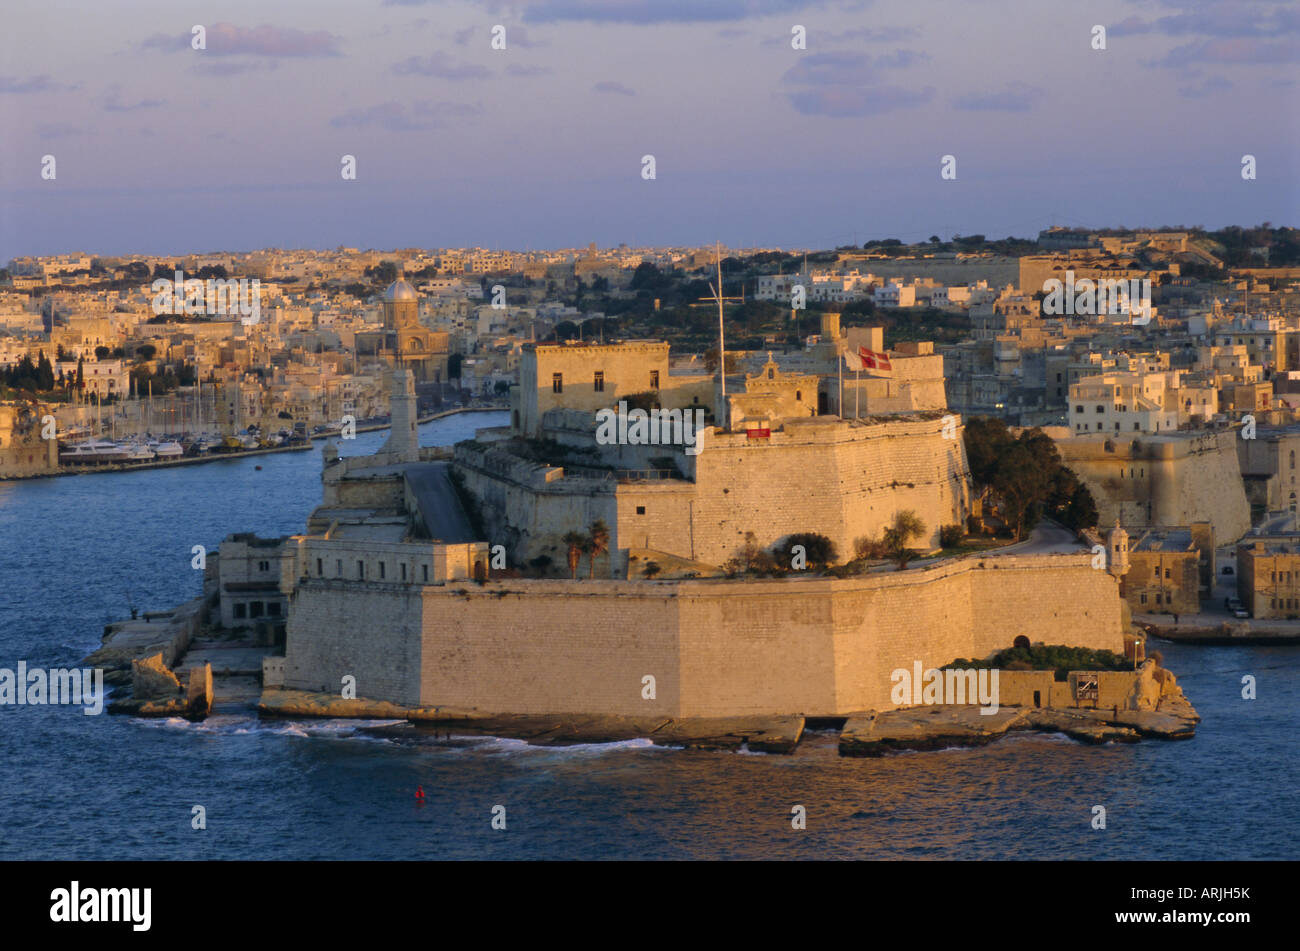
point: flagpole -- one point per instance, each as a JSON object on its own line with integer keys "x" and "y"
{"x": 722, "y": 347}
{"x": 857, "y": 388}
{"x": 839, "y": 370}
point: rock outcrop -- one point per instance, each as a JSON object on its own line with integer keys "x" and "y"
{"x": 151, "y": 680}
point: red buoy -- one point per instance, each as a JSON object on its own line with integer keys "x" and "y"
{"x": 419, "y": 794}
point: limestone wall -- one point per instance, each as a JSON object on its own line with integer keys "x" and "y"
{"x": 370, "y": 631}
{"x": 819, "y": 475}
{"x": 816, "y": 646}
{"x": 1163, "y": 480}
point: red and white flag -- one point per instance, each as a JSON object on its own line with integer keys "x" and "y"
{"x": 871, "y": 360}
{"x": 853, "y": 361}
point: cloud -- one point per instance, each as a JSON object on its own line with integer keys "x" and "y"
{"x": 58, "y": 130}
{"x": 850, "y": 83}
{"x": 867, "y": 34}
{"x": 841, "y": 101}
{"x": 395, "y": 117}
{"x": 1237, "y": 50}
{"x": 1204, "y": 89}
{"x": 658, "y": 11}
{"x": 613, "y": 87}
{"x": 36, "y": 84}
{"x": 831, "y": 69}
{"x": 1132, "y": 26}
{"x": 112, "y": 102}
{"x": 516, "y": 70}
{"x": 461, "y": 37}
{"x": 226, "y": 39}
{"x": 1016, "y": 97}
{"x": 441, "y": 68}
{"x": 232, "y": 67}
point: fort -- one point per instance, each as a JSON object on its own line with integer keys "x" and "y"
{"x": 1175, "y": 478}
{"x": 391, "y": 588}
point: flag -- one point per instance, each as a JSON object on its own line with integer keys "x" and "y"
{"x": 871, "y": 360}
{"x": 853, "y": 361}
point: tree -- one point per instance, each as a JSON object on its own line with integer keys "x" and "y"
{"x": 906, "y": 526}
{"x": 44, "y": 373}
{"x": 1026, "y": 477}
{"x": 819, "y": 550}
{"x": 597, "y": 542}
{"x": 574, "y": 542}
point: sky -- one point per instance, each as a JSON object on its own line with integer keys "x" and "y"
{"x": 161, "y": 148}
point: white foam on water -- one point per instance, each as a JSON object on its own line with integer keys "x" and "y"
{"x": 509, "y": 746}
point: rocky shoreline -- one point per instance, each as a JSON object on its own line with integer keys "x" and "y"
{"x": 1158, "y": 710}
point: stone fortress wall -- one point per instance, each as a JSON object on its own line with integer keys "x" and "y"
{"x": 814, "y": 646}
{"x": 1166, "y": 479}
{"x": 841, "y": 479}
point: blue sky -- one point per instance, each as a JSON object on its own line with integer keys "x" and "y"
{"x": 164, "y": 149}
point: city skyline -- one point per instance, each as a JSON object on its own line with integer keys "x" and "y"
{"x": 541, "y": 144}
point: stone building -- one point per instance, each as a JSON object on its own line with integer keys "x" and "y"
{"x": 1268, "y": 577}
{"x": 404, "y": 342}
{"x": 590, "y": 377}
{"x": 22, "y": 450}
{"x": 1164, "y": 573}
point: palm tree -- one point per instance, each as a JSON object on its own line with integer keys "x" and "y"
{"x": 597, "y": 542}
{"x": 575, "y": 542}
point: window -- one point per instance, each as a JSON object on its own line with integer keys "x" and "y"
{"x": 640, "y": 510}
{"x": 654, "y": 379}
{"x": 599, "y": 383}
{"x": 320, "y": 568}
{"x": 1101, "y": 409}
{"x": 426, "y": 572}
{"x": 1144, "y": 599}
{"x": 798, "y": 395}
{"x": 1157, "y": 572}
{"x": 1168, "y": 573}
{"x": 273, "y": 608}
{"x": 381, "y": 569}
{"x": 361, "y": 568}
{"x": 263, "y": 566}
{"x": 1078, "y": 409}
{"x": 403, "y": 571}
{"x": 255, "y": 609}
{"x": 241, "y": 611}
{"x": 338, "y": 568}
{"x": 557, "y": 383}
{"x": 1158, "y": 600}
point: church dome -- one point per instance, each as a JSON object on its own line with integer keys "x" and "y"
{"x": 400, "y": 290}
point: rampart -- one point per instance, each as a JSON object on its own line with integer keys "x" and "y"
{"x": 815, "y": 646}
